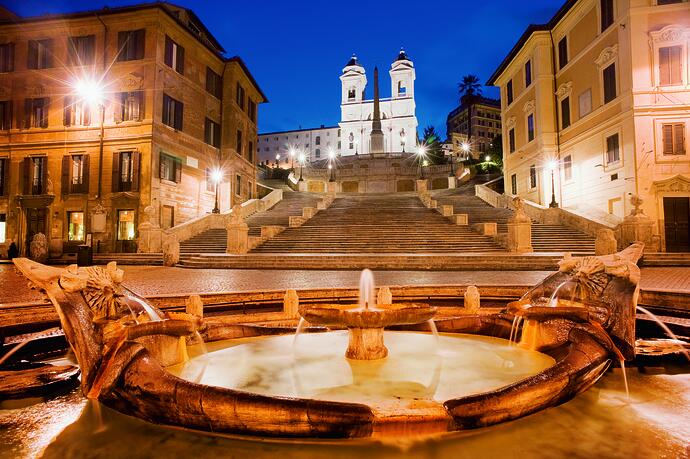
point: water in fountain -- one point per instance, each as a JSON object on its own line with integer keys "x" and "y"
{"x": 664, "y": 328}
{"x": 300, "y": 328}
{"x": 553, "y": 301}
{"x": 367, "y": 296}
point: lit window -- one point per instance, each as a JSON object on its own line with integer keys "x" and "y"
{"x": 3, "y": 228}
{"x": 75, "y": 221}
{"x": 125, "y": 225}
{"x": 170, "y": 168}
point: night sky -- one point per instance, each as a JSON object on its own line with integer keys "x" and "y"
{"x": 296, "y": 49}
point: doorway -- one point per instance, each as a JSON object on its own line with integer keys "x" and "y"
{"x": 35, "y": 223}
{"x": 677, "y": 224}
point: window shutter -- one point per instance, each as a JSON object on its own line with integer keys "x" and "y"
{"x": 178, "y": 170}
{"x": 10, "y": 57}
{"x": 65, "y": 183}
{"x": 180, "y": 60}
{"x": 32, "y": 61}
{"x": 44, "y": 112}
{"x": 44, "y": 175}
{"x": 67, "y": 120}
{"x": 6, "y": 177}
{"x": 679, "y": 138}
{"x": 667, "y": 138}
{"x": 179, "y": 106}
{"x": 116, "y": 172}
{"x": 85, "y": 173}
{"x": 26, "y": 176}
{"x": 28, "y": 103}
{"x": 168, "y": 50}
{"x": 140, "y": 108}
{"x": 122, "y": 46}
{"x": 136, "y": 159}
{"x": 139, "y": 43}
{"x": 49, "y": 53}
{"x": 675, "y": 69}
{"x": 664, "y": 66}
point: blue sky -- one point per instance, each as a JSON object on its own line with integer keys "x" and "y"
{"x": 297, "y": 49}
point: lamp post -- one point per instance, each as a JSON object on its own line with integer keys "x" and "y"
{"x": 331, "y": 157}
{"x": 91, "y": 92}
{"x": 403, "y": 140}
{"x": 292, "y": 159}
{"x": 277, "y": 160}
{"x": 301, "y": 165}
{"x": 217, "y": 177}
{"x": 421, "y": 152}
{"x": 553, "y": 165}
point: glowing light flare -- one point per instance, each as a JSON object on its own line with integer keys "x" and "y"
{"x": 487, "y": 158}
{"x": 465, "y": 147}
{"x": 331, "y": 154}
{"x": 89, "y": 90}
{"x": 292, "y": 152}
{"x": 217, "y": 175}
{"x": 330, "y": 167}
{"x": 302, "y": 158}
{"x": 421, "y": 150}
{"x": 552, "y": 165}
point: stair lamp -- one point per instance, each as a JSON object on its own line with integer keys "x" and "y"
{"x": 553, "y": 165}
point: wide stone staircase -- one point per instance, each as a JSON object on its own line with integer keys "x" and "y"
{"x": 378, "y": 223}
{"x": 215, "y": 240}
{"x": 545, "y": 237}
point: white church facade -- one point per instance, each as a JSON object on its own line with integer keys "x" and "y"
{"x": 352, "y": 135}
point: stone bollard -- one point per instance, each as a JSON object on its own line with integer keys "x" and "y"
{"x": 150, "y": 238}
{"x": 171, "y": 250}
{"x": 331, "y": 188}
{"x": 194, "y": 306}
{"x": 291, "y": 304}
{"x": 302, "y": 185}
{"x": 38, "y": 249}
{"x": 452, "y": 183}
{"x": 446, "y": 210}
{"x": 238, "y": 232}
{"x": 605, "y": 243}
{"x": 384, "y": 296}
{"x": 519, "y": 229}
{"x": 422, "y": 186}
{"x": 308, "y": 212}
{"x": 472, "y": 300}
{"x": 461, "y": 219}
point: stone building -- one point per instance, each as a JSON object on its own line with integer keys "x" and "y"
{"x": 314, "y": 143}
{"x": 601, "y": 96}
{"x": 485, "y": 123}
{"x": 104, "y": 113}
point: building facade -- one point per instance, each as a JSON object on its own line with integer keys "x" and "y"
{"x": 105, "y": 113}
{"x": 484, "y": 121}
{"x": 282, "y": 148}
{"x": 601, "y": 96}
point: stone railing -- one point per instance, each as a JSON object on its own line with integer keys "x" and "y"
{"x": 543, "y": 214}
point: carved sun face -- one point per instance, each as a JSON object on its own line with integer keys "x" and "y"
{"x": 103, "y": 294}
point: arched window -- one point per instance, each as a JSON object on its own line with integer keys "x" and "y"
{"x": 351, "y": 93}
{"x": 402, "y": 90}
{"x": 318, "y": 153}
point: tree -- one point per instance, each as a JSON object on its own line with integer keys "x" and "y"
{"x": 470, "y": 89}
{"x": 433, "y": 144}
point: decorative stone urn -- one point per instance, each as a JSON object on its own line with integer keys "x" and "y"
{"x": 519, "y": 229}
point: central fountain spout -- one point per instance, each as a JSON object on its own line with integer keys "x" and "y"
{"x": 366, "y": 322}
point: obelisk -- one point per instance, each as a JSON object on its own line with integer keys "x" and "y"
{"x": 376, "y": 143}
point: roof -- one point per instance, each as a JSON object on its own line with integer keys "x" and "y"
{"x": 299, "y": 130}
{"x": 353, "y": 61}
{"x": 531, "y": 29}
{"x": 402, "y": 56}
{"x": 169, "y": 8}
{"x": 239, "y": 60}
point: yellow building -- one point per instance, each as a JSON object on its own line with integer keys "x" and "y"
{"x": 104, "y": 113}
{"x": 484, "y": 127}
{"x": 601, "y": 95}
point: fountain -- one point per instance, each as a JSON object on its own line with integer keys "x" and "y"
{"x": 133, "y": 357}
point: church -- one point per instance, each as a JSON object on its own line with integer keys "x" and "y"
{"x": 352, "y": 135}
{"x": 398, "y": 119}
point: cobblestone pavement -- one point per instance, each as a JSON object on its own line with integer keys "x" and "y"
{"x": 152, "y": 280}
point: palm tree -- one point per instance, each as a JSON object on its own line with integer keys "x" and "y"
{"x": 470, "y": 89}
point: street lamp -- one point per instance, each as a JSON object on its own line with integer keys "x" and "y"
{"x": 465, "y": 147}
{"x": 421, "y": 153}
{"x": 277, "y": 160}
{"x": 90, "y": 91}
{"x": 301, "y": 165}
{"x": 217, "y": 177}
{"x": 292, "y": 159}
{"x": 553, "y": 165}
{"x": 487, "y": 158}
{"x": 403, "y": 140}
{"x": 331, "y": 157}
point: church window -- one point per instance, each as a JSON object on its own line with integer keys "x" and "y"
{"x": 402, "y": 90}
{"x": 351, "y": 94}
{"x": 318, "y": 140}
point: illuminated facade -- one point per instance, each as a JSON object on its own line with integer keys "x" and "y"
{"x": 603, "y": 90}
{"x": 173, "y": 108}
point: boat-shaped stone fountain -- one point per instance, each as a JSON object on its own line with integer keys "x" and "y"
{"x": 132, "y": 356}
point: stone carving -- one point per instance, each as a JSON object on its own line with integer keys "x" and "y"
{"x": 677, "y": 183}
{"x": 384, "y": 296}
{"x": 38, "y": 249}
{"x": 669, "y": 33}
{"x": 235, "y": 217}
{"x": 472, "y": 299}
{"x": 564, "y": 90}
{"x": 132, "y": 82}
{"x": 528, "y": 107}
{"x": 100, "y": 287}
{"x": 519, "y": 229}
{"x": 194, "y": 306}
{"x": 510, "y": 122}
{"x": 238, "y": 232}
{"x": 607, "y": 55}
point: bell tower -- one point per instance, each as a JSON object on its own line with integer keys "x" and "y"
{"x": 354, "y": 80}
{"x": 402, "y": 76}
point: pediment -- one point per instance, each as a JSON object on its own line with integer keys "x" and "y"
{"x": 676, "y": 183}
